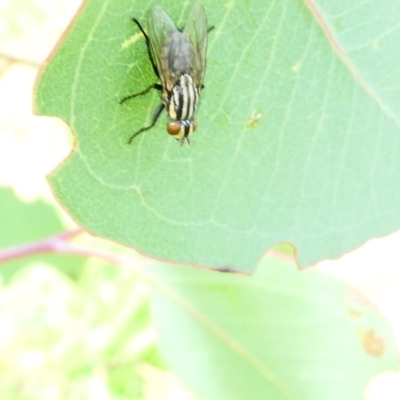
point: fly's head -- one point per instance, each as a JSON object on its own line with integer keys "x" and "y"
{"x": 181, "y": 130}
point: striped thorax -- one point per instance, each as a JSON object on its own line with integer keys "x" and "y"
{"x": 181, "y": 105}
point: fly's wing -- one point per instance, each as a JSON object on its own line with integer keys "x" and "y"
{"x": 160, "y": 30}
{"x": 196, "y": 30}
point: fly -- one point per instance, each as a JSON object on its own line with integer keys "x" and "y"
{"x": 178, "y": 58}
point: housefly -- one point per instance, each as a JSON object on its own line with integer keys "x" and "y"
{"x": 178, "y": 58}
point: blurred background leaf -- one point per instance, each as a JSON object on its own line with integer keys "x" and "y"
{"x": 24, "y": 223}
{"x": 87, "y": 340}
{"x": 279, "y": 334}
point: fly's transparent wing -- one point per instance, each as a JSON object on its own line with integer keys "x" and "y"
{"x": 160, "y": 29}
{"x": 196, "y": 29}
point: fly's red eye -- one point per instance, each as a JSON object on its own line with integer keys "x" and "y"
{"x": 173, "y": 128}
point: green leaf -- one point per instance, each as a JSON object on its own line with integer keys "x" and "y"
{"x": 280, "y": 334}
{"x": 298, "y": 137}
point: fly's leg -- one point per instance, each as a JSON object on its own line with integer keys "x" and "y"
{"x": 157, "y": 111}
{"x": 156, "y": 114}
{"x": 156, "y": 86}
{"x": 153, "y": 64}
